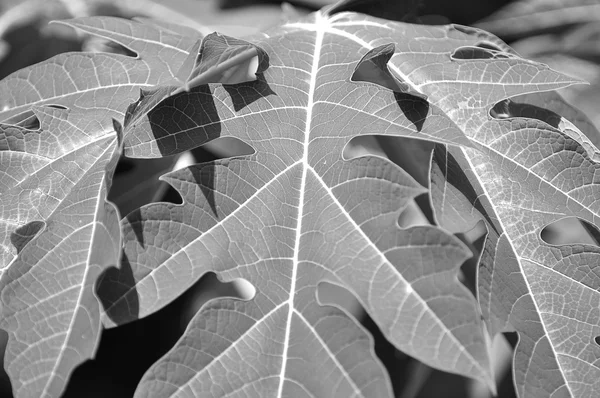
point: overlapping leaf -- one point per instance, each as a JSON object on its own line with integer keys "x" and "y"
{"x": 98, "y": 87}
{"x": 296, "y": 213}
{"x": 68, "y": 235}
{"x": 57, "y": 232}
{"x": 521, "y": 175}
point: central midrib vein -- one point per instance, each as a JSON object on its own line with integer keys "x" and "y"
{"x": 319, "y": 23}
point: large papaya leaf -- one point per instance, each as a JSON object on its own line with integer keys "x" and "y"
{"x": 296, "y": 213}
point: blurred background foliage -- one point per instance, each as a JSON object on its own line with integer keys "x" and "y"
{"x": 561, "y": 33}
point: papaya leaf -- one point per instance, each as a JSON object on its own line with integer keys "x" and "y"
{"x": 59, "y": 145}
{"x": 69, "y": 236}
{"x": 296, "y": 213}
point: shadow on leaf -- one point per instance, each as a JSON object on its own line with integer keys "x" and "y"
{"x": 509, "y": 109}
{"x": 244, "y": 94}
{"x": 23, "y": 235}
{"x": 455, "y": 176}
{"x": 415, "y": 109}
{"x": 116, "y": 290}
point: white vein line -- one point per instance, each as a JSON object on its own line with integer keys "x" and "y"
{"x": 384, "y": 260}
{"x": 357, "y": 390}
{"x": 560, "y": 274}
{"x": 110, "y": 34}
{"x": 22, "y": 153}
{"x": 227, "y": 350}
{"x": 78, "y": 306}
{"x": 361, "y": 24}
{"x": 69, "y": 152}
{"x": 438, "y": 218}
{"x": 50, "y": 252}
{"x": 205, "y": 233}
{"x": 308, "y": 393}
{"x": 519, "y": 260}
{"x": 69, "y": 94}
{"x": 542, "y": 179}
{"x": 565, "y": 354}
{"x": 494, "y": 83}
{"x": 33, "y": 380}
{"x": 320, "y": 24}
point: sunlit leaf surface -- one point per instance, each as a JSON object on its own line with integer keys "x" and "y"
{"x": 58, "y": 150}
{"x": 65, "y": 235}
{"x": 296, "y": 213}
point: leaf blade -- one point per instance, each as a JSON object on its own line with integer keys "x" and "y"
{"x": 48, "y": 303}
